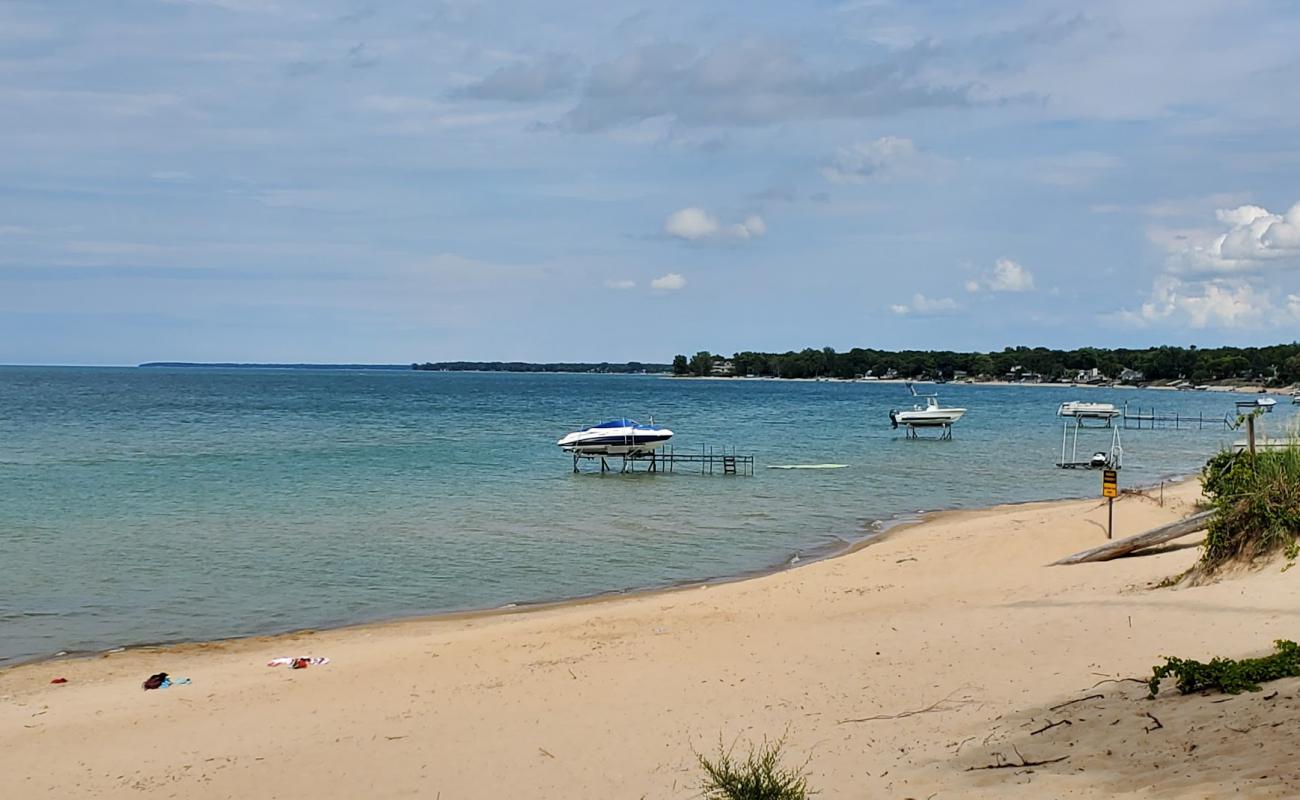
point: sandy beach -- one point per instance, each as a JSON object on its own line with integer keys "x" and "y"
{"x": 894, "y": 670}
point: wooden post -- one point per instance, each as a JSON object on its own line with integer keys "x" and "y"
{"x": 1250, "y": 434}
{"x": 1110, "y": 517}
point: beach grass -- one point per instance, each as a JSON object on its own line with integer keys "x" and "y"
{"x": 1257, "y": 500}
{"x": 760, "y": 775}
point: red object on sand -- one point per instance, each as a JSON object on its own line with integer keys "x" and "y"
{"x": 59, "y": 680}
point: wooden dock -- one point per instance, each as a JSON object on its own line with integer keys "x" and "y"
{"x": 707, "y": 461}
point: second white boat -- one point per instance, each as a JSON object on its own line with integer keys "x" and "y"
{"x": 931, "y": 415}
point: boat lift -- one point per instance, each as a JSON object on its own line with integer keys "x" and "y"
{"x": 931, "y": 416}
{"x": 1101, "y": 459}
{"x": 909, "y": 429}
{"x": 709, "y": 461}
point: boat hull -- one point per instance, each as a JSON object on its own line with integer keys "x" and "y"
{"x": 1088, "y": 410}
{"x": 612, "y": 440}
{"x": 620, "y": 447}
{"x": 929, "y": 419}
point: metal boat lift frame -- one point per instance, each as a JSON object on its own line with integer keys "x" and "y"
{"x": 725, "y": 461}
{"x": 945, "y": 433}
{"x": 1114, "y": 457}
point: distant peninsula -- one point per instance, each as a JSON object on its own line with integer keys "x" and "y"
{"x": 628, "y": 368}
{"x": 233, "y": 365}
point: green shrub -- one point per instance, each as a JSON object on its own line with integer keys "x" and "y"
{"x": 1257, "y": 500}
{"x": 760, "y": 776}
{"x": 1229, "y": 675}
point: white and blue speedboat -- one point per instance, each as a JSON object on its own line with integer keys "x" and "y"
{"x": 618, "y": 437}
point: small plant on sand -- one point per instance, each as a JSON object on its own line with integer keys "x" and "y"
{"x": 1229, "y": 675}
{"x": 1257, "y": 500}
{"x": 759, "y": 776}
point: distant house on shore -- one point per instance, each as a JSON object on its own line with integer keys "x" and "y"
{"x": 1019, "y": 374}
{"x": 724, "y": 368}
{"x": 1089, "y": 376}
{"x": 1132, "y": 376}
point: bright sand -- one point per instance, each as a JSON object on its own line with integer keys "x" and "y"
{"x": 606, "y": 699}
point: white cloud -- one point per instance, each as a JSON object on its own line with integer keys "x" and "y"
{"x": 617, "y": 284}
{"x": 753, "y": 226}
{"x": 926, "y": 306}
{"x": 668, "y": 283}
{"x": 691, "y": 223}
{"x": 888, "y": 156}
{"x": 1007, "y": 276}
{"x": 695, "y": 224}
{"x": 1226, "y": 277}
{"x": 1217, "y": 304}
{"x": 1255, "y": 239}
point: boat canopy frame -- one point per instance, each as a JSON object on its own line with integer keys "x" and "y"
{"x": 1070, "y": 446}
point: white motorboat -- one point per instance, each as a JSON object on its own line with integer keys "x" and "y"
{"x": 931, "y": 415}
{"x": 618, "y": 437}
{"x": 1080, "y": 409}
{"x": 1261, "y": 403}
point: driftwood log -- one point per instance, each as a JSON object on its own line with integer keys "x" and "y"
{"x": 1119, "y": 547}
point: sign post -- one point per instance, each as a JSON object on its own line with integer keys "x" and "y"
{"x": 1110, "y": 490}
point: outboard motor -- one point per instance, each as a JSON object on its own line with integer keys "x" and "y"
{"x": 893, "y": 418}
{"x": 1098, "y": 460}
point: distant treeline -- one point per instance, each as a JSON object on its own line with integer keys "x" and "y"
{"x": 1278, "y": 364}
{"x": 522, "y": 366}
{"x": 232, "y": 365}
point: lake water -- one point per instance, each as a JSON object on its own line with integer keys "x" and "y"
{"x": 159, "y": 505}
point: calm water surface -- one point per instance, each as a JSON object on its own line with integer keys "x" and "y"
{"x": 155, "y": 505}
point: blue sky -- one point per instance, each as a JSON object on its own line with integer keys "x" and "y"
{"x": 343, "y": 180}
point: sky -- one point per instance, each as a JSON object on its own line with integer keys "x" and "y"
{"x": 364, "y": 181}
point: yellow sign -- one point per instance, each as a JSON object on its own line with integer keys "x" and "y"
{"x": 1109, "y": 483}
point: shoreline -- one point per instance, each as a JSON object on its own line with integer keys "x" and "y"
{"x": 880, "y": 531}
{"x": 816, "y": 555}
{"x": 889, "y": 671}
{"x": 1230, "y": 389}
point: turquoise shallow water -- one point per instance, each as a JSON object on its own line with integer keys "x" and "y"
{"x": 156, "y": 505}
